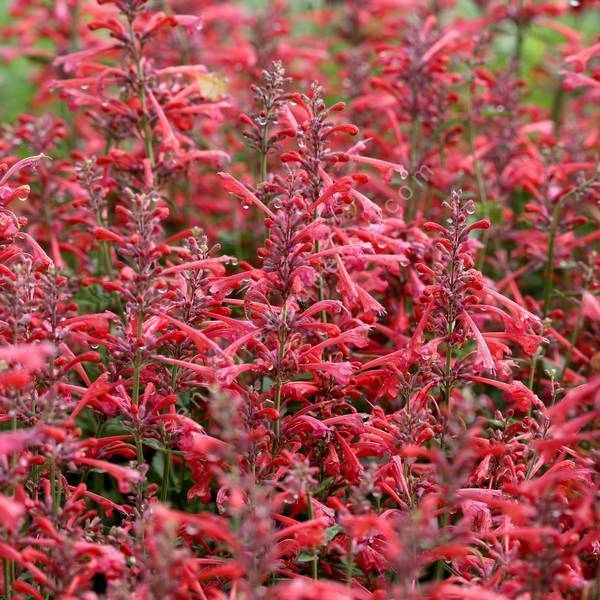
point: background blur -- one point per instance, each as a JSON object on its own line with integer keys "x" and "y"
{"x": 16, "y": 87}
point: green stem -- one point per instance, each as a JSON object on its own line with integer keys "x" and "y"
{"x": 137, "y": 367}
{"x": 478, "y": 178}
{"x": 572, "y": 342}
{"x": 350, "y": 563}
{"x": 321, "y": 284}
{"x": 73, "y": 38}
{"x": 531, "y": 465}
{"x": 550, "y": 260}
{"x": 166, "y": 476}
{"x": 137, "y": 362}
{"x": 7, "y": 579}
{"x": 440, "y": 564}
{"x": 55, "y": 491}
{"x": 548, "y": 273}
{"x": 520, "y": 38}
{"x": 414, "y": 141}
{"x": 450, "y": 320}
{"x": 532, "y": 369}
{"x": 263, "y": 165}
{"x": 279, "y": 383}
{"x": 315, "y": 558}
{"x": 105, "y": 266}
{"x": 104, "y": 248}
{"x": 139, "y": 449}
{"x": 174, "y": 375}
{"x": 13, "y": 427}
{"x": 97, "y": 435}
{"x": 278, "y": 387}
{"x": 106, "y": 260}
{"x": 135, "y": 394}
{"x": 142, "y": 96}
{"x": 447, "y": 371}
{"x": 557, "y": 104}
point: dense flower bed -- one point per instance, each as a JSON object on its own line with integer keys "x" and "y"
{"x": 300, "y": 301}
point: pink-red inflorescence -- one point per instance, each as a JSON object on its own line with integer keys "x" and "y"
{"x": 300, "y": 302}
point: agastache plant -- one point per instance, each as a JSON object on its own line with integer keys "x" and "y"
{"x": 299, "y": 301}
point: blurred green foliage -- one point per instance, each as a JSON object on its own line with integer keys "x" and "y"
{"x": 16, "y": 87}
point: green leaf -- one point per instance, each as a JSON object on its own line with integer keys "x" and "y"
{"x": 323, "y": 485}
{"x": 332, "y": 531}
{"x": 306, "y": 557}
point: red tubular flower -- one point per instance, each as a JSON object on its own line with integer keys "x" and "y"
{"x": 124, "y": 476}
{"x": 516, "y": 391}
{"x": 235, "y": 187}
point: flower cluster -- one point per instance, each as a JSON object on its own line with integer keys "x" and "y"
{"x": 300, "y": 301}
